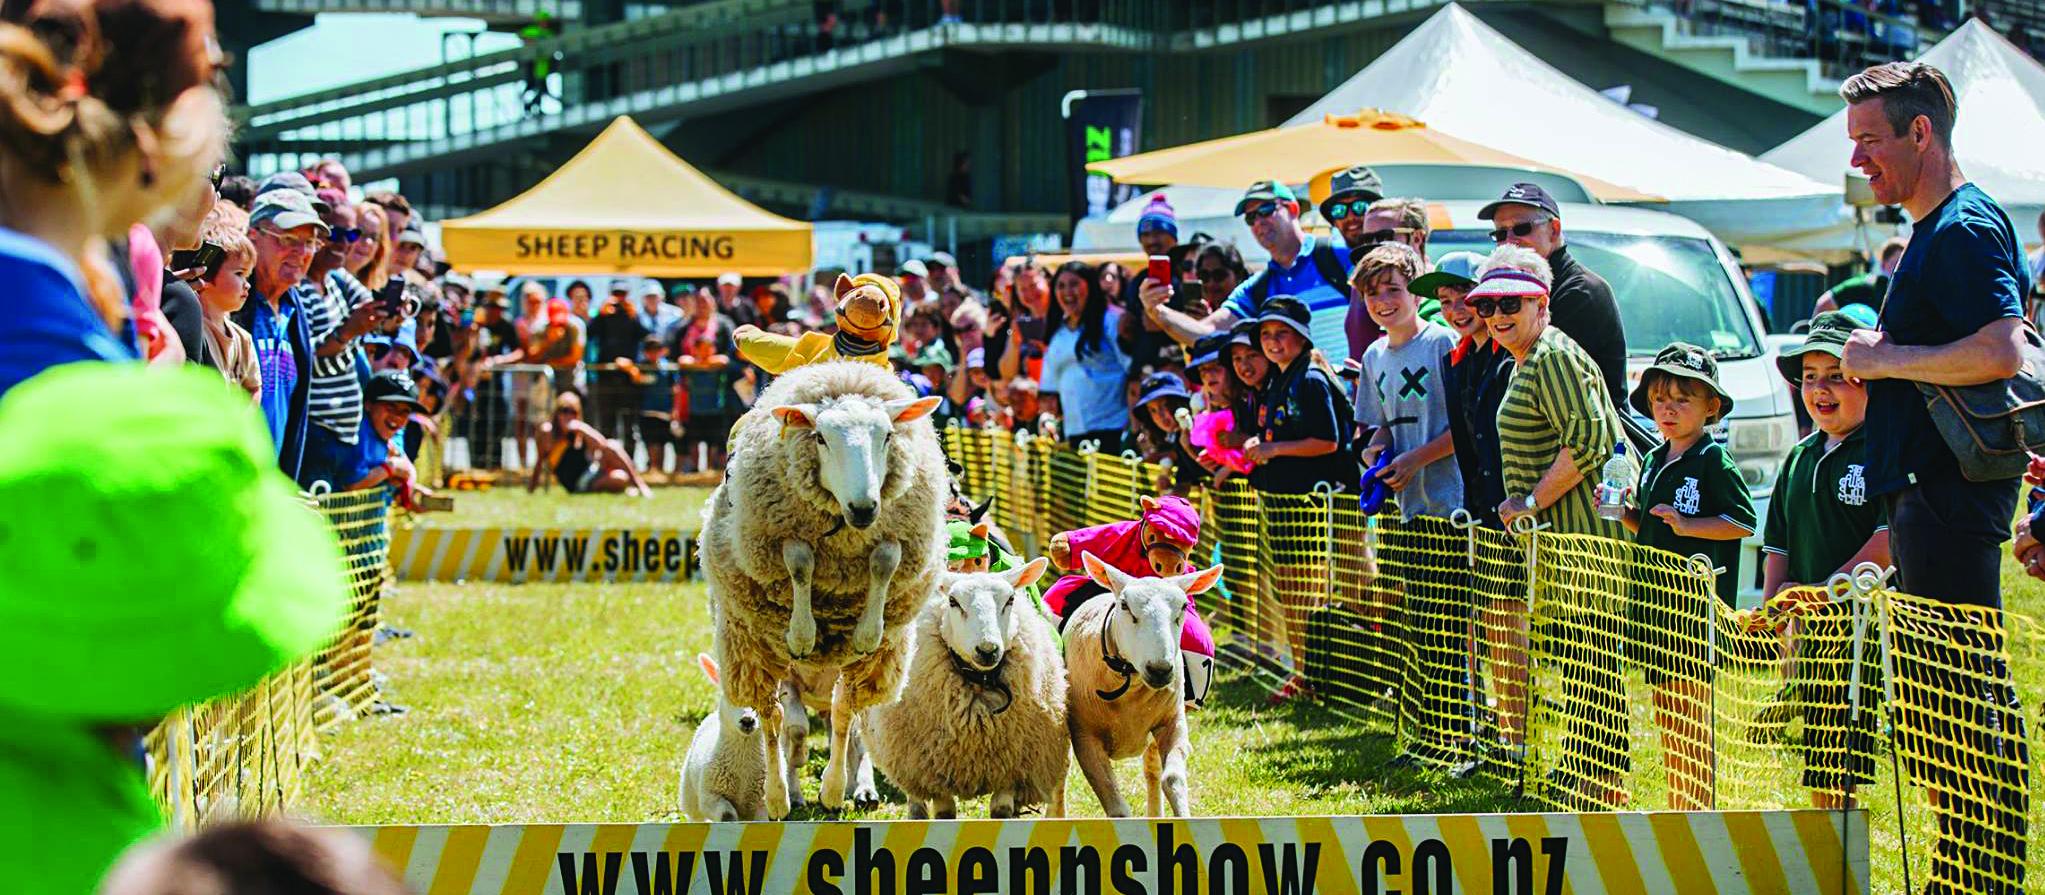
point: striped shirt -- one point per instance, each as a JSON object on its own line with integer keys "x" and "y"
{"x": 1557, "y": 399}
{"x": 336, "y": 402}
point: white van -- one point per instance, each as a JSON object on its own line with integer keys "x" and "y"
{"x": 1674, "y": 282}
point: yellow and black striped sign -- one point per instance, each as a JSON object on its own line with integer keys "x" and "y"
{"x": 1815, "y": 852}
{"x": 543, "y": 554}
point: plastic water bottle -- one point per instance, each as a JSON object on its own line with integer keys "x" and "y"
{"x": 1620, "y": 474}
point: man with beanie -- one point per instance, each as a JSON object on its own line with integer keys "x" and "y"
{"x": 1157, "y": 231}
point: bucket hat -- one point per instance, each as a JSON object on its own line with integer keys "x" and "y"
{"x": 1685, "y": 361}
{"x": 1828, "y": 335}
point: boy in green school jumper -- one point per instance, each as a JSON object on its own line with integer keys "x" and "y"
{"x": 1822, "y": 522}
{"x": 1693, "y": 501}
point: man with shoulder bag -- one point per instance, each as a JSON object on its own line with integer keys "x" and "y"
{"x": 1946, "y": 429}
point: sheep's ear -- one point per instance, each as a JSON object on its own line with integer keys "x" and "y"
{"x": 979, "y": 531}
{"x": 1103, "y": 574}
{"x": 1149, "y": 503}
{"x": 903, "y": 410}
{"x": 709, "y": 667}
{"x": 841, "y": 287}
{"x": 1027, "y": 574}
{"x": 1198, "y": 582}
{"x": 952, "y": 466}
{"x": 796, "y": 416}
{"x": 980, "y": 512}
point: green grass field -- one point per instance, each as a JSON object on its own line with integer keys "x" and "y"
{"x": 559, "y": 703}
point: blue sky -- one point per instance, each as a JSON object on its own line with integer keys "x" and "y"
{"x": 342, "y": 49}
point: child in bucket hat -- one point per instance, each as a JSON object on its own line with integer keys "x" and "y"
{"x": 168, "y": 562}
{"x": 1693, "y": 501}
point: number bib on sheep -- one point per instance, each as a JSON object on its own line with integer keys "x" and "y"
{"x": 1519, "y": 854}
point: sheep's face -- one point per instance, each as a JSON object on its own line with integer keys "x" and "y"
{"x": 1148, "y": 616}
{"x": 850, "y": 435}
{"x": 980, "y": 613}
{"x": 737, "y": 721}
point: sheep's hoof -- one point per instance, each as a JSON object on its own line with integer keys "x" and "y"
{"x": 802, "y": 637}
{"x": 866, "y": 639}
{"x": 866, "y": 797}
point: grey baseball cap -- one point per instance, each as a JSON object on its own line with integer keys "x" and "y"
{"x": 285, "y": 209}
{"x": 294, "y": 181}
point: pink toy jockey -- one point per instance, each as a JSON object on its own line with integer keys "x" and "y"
{"x": 1153, "y": 545}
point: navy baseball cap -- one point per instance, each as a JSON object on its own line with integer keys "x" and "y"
{"x": 1162, "y": 385}
{"x": 1523, "y": 194}
{"x": 1265, "y": 191}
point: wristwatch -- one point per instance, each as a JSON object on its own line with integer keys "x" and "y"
{"x": 1533, "y": 506}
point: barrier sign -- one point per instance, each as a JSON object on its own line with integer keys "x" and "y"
{"x": 1497, "y": 854}
{"x": 543, "y": 554}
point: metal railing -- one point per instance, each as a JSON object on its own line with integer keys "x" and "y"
{"x": 1842, "y": 37}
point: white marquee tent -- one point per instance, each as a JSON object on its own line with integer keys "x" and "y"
{"x": 1461, "y": 76}
{"x": 1997, "y": 136}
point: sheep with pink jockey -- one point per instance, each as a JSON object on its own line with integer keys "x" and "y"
{"x": 824, "y": 539}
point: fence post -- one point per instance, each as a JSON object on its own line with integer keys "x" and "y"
{"x": 1531, "y": 529}
{"x": 1704, "y": 568}
{"x": 1463, "y": 521}
{"x": 1887, "y": 631}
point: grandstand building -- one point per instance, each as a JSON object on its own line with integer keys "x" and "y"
{"x": 864, "y": 109}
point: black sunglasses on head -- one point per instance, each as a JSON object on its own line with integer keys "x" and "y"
{"x": 1520, "y": 229}
{"x": 1508, "y": 305}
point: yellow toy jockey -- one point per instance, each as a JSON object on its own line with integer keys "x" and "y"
{"x": 869, "y": 309}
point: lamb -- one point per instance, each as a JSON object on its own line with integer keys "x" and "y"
{"x": 983, "y": 704}
{"x": 724, "y": 777}
{"x": 824, "y": 539}
{"x": 1109, "y": 643}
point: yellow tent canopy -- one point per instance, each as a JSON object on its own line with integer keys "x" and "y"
{"x": 626, "y": 205}
{"x": 1299, "y": 153}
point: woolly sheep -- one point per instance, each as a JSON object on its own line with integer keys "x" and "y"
{"x": 724, "y": 777}
{"x": 1110, "y": 642}
{"x": 824, "y": 539}
{"x": 982, "y": 710}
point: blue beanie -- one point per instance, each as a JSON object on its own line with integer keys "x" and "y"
{"x": 1158, "y": 215}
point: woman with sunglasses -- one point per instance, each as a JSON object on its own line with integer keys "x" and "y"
{"x": 1556, "y": 429}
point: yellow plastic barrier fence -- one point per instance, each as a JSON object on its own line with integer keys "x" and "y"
{"x": 1593, "y": 674}
{"x": 248, "y": 754}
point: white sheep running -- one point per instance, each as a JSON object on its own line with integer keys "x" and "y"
{"x": 824, "y": 539}
{"x": 724, "y": 776}
{"x": 982, "y": 710}
{"x": 1111, "y": 642}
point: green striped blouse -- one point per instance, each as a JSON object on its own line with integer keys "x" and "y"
{"x": 1557, "y": 399}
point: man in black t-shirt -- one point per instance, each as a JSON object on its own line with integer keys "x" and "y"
{"x": 1580, "y": 302}
{"x": 1953, "y": 317}
{"x": 616, "y": 333}
{"x": 489, "y": 416}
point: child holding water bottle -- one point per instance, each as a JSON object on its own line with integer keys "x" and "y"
{"x": 1691, "y": 500}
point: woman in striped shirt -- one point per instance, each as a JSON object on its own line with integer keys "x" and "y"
{"x": 1556, "y": 429}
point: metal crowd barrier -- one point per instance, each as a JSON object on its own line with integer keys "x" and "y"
{"x": 248, "y": 754}
{"x": 1590, "y": 674}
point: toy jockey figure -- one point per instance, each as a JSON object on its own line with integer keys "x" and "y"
{"x": 869, "y": 309}
{"x": 1154, "y": 544}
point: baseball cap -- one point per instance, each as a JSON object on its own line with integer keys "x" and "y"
{"x": 941, "y": 259}
{"x": 1506, "y": 281}
{"x": 285, "y": 209}
{"x": 1523, "y": 194}
{"x": 1265, "y": 191}
{"x": 913, "y": 268}
{"x": 651, "y": 289}
{"x": 392, "y": 386}
{"x": 1289, "y": 311}
{"x": 1208, "y": 349}
{"x": 1828, "y": 335}
{"x": 728, "y": 278}
{"x": 1357, "y": 181}
{"x": 412, "y": 235}
{"x": 457, "y": 281}
{"x": 1685, "y": 361}
{"x": 1454, "y": 269}
{"x": 621, "y": 286}
{"x": 1162, "y": 385}
{"x": 188, "y": 565}
{"x": 295, "y": 182}
{"x": 976, "y": 358}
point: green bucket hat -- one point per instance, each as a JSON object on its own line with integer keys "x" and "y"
{"x": 157, "y": 556}
{"x": 1828, "y": 335}
{"x": 1689, "y": 362}
{"x": 963, "y": 545}
{"x": 932, "y": 355}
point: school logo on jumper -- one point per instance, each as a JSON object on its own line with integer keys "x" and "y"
{"x": 1853, "y": 486}
{"x": 1687, "y": 496}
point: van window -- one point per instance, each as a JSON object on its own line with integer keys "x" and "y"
{"x": 1669, "y": 289}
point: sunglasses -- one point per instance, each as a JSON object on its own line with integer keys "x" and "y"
{"x": 1339, "y": 210}
{"x": 1215, "y": 274}
{"x": 218, "y": 176}
{"x": 1521, "y": 229}
{"x": 1508, "y": 305}
{"x": 1259, "y": 213}
{"x": 345, "y": 234}
{"x": 1388, "y": 234}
